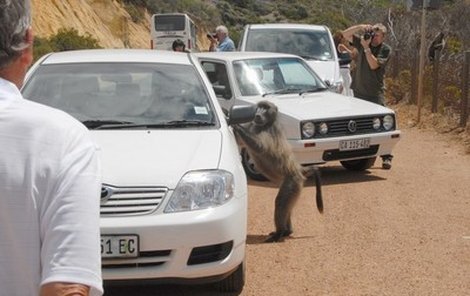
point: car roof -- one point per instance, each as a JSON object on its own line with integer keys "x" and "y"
{"x": 117, "y": 55}
{"x": 241, "y": 55}
{"x": 287, "y": 26}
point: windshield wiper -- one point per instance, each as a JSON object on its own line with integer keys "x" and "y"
{"x": 174, "y": 123}
{"x": 310, "y": 57}
{"x": 313, "y": 90}
{"x": 282, "y": 91}
{"x": 93, "y": 124}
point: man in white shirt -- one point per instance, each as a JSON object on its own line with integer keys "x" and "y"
{"x": 49, "y": 182}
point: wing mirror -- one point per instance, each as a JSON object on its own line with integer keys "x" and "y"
{"x": 241, "y": 114}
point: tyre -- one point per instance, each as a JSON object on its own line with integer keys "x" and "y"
{"x": 250, "y": 168}
{"x": 234, "y": 282}
{"x": 358, "y": 164}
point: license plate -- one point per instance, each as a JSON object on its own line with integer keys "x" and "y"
{"x": 119, "y": 246}
{"x": 354, "y": 144}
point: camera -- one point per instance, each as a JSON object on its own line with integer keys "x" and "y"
{"x": 211, "y": 35}
{"x": 369, "y": 34}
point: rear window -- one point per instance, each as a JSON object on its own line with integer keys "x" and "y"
{"x": 308, "y": 44}
{"x": 170, "y": 23}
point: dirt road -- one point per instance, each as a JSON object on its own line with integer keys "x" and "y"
{"x": 400, "y": 232}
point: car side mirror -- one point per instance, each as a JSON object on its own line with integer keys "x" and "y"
{"x": 222, "y": 91}
{"x": 241, "y": 114}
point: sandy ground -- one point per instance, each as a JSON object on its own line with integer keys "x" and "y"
{"x": 405, "y": 231}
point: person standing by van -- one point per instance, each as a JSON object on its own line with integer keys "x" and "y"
{"x": 345, "y": 55}
{"x": 222, "y": 41}
{"x": 49, "y": 182}
{"x": 372, "y": 57}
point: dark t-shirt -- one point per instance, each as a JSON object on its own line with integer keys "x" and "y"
{"x": 368, "y": 83}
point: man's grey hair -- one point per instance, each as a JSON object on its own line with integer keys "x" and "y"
{"x": 222, "y": 29}
{"x": 15, "y": 19}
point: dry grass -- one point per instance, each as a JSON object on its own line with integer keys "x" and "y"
{"x": 408, "y": 114}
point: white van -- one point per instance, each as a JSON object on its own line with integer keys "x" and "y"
{"x": 314, "y": 43}
{"x": 167, "y": 27}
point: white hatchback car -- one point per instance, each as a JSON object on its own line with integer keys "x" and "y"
{"x": 174, "y": 195}
{"x": 320, "y": 125}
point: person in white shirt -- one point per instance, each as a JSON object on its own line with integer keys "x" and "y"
{"x": 49, "y": 182}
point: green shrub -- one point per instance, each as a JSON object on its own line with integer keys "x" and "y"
{"x": 69, "y": 39}
{"x": 397, "y": 89}
{"x": 65, "y": 39}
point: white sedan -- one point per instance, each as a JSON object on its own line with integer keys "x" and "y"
{"x": 174, "y": 195}
{"x": 320, "y": 125}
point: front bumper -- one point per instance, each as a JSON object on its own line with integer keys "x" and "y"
{"x": 316, "y": 151}
{"x": 186, "y": 245}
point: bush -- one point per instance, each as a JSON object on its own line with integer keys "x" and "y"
{"x": 69, "y": 39}
{"x": 65, "y": 39}
{"x": 398, "y": 89}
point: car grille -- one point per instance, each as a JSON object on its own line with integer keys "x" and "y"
{"x": 199, "y": 255}
{"x": 340, "y": 127}
{"x": 145, "y": 259}
{"x": 336, "y": 154}
{"x": 117, "y": 201}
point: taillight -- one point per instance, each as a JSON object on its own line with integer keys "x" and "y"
{"x": 189, "y": 43}
{"x": 151, "y": 44}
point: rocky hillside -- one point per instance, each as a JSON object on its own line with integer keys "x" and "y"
{"x": 105, "y": 20}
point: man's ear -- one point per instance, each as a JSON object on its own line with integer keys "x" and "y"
{"x": 27, "y": 55}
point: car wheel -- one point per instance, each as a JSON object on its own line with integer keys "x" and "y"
{"x": 234, "y": 282}
{"x": 358, "y": 164}
{"x": 250, "y": 168}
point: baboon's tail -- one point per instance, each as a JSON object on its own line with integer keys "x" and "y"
{"x": 319, "y": 196}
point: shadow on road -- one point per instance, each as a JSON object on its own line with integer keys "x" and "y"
{"x": 258, "y": 239}
{"x": 147, "y": 289}
{"x": 331, "y": 175}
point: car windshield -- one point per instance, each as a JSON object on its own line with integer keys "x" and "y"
{"x": 266, "y": 76}
{"x": 309, "y": 44}
{"x": 124, "y": 95}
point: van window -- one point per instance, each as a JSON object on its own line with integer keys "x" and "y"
{"x": 305, "y": 43}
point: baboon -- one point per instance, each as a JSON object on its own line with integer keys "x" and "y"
{"x": 273, "y": 157}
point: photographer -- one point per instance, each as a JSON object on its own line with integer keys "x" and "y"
{"x": 372, "y": 57}
{"x": 220, "y": 40}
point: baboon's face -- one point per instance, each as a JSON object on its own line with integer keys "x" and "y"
{"x": 265, "y": 114}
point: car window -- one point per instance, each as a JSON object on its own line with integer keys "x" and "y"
{"x": 275, "y": 75}
{"x": 218, "y": 76}
{"x": 308, "y": 44}
{"x": 122, "y": 92}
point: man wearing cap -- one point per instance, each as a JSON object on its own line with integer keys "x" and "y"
{"x": 372, "y": 57}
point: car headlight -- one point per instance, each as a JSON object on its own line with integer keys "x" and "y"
{"x": 308, "y": 129}
{"x": 201, "y": 190}
{"x": 388, "y": 122}
{"x": 376, "y": 123}
{"x": 323, "y": 128}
